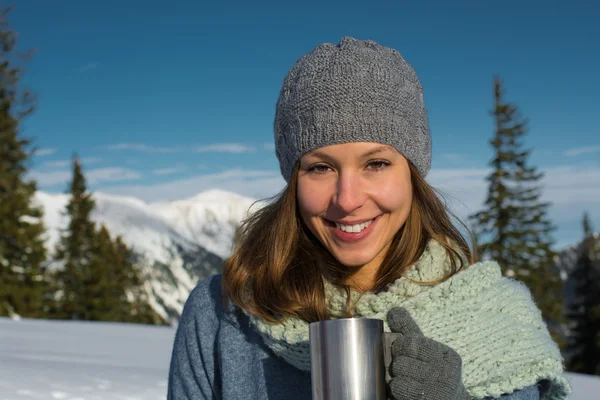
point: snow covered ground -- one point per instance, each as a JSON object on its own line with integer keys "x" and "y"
{"x": 90, "y": 360}
{"x": 83, "y": 360}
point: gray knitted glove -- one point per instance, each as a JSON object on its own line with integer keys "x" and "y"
{"x": 422, "y": 368}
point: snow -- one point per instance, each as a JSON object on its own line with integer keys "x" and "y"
{"x": 68, "y": 360}
{"x": 83, "y": 360}
{"x": 209, "y": 218}
{"x": 584, "y": 386}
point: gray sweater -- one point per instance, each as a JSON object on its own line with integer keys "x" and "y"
{"x": 218, "y": 355}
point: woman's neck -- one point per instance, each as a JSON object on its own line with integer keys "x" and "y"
{"x": 359, "y": 284}
{"x": 364, "y": 277}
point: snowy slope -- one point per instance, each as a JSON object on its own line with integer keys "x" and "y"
{"x": 209, "y": 219}
{"x": 176, "y": 244}
{"x": 87, "y": 361}
{"x": 103, "y": 361}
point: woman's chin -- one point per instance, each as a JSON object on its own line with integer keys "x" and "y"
{"x": 354, "y": 260}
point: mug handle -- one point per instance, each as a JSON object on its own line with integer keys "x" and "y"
{"x": 388, "y": 339}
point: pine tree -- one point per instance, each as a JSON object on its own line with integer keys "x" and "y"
{"x": 135, "y": 305}
{"x": 22, "y": 251}
{"x": 514, "y": 229}
{"x": 587, "y": 225}
{"x": 115, "y": 285}
{"x": 102, "y": 295}
{"x": 98, "y": 279}
{"x": 75, "y": 250}
{"x": 584, "y": 310}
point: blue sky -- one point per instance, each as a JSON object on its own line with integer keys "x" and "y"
{"x": 164, "y": 101}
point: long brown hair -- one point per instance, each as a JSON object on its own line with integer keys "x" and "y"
{"x": 277, "y": 266}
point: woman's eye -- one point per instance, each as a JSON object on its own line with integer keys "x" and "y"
{"x": 318, "y": 169}
{"x": 377, "y": 165}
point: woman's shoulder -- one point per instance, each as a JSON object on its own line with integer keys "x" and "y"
{"x": 205, "y": 301}
{"x": 206, "y": 308}
{"x": 207, "y": 290}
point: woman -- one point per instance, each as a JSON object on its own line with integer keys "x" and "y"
{"x": 358, "y": 232}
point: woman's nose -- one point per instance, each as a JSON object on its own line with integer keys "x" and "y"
{"x": 349, "y": 193}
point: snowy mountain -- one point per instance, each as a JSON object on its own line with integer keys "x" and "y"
{"x": 176, "y": 244}
{"x": 209, "y": 219}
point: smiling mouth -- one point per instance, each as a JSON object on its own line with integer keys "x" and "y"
{"x": 355, "y": 228}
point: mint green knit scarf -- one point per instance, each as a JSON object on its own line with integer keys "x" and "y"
{"x": 490, "y": 320}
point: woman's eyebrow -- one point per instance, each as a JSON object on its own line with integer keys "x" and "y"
{"x": 378, "y": 149}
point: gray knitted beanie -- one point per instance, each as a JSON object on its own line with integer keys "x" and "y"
{"x": 357, "y": 91}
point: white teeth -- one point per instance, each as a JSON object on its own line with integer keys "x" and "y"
{"x": 353, "y": 228}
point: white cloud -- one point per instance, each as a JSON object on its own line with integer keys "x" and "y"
{"x": 582, "y": 150}
{"x": 225, "y": 148}
{"x": 458, "y": 173}
{"x": 90, "y": 160}
{"x": 112, "y": 174}
{"x": 50, "y": 178}
{"x": 88, "y": 67}
{"x": 93, "y": 176}
{"x": 168, "y": 171}
{"x": 251, "y": 183}
{"x": 144, "y": 148}
{"x": 269, "y": 146}
{"x": 569, "y": 185}
{"x": 65, "y": 163}
{"x": 454, "y": 157}
{"x": 210, "y": 148}
{"x": 44, "y": 152}
{"x": 57, "y": 163}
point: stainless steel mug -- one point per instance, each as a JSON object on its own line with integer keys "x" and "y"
{"x": 348, "y": 360}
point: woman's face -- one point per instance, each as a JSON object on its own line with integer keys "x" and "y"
{"x": 354, "y": 197}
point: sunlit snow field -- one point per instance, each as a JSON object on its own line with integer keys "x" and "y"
{"x": 83, "y": 360}
{"x": 89, "y": 360}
